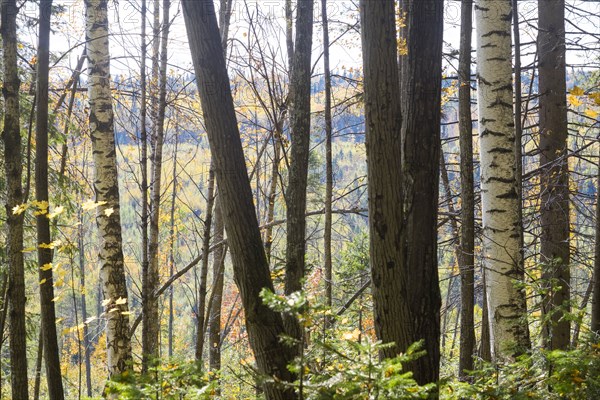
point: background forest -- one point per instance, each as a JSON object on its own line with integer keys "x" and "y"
{"x": 189, "y": 213}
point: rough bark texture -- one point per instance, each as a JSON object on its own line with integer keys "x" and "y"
{"x": 328, "y": 160}
{"x": 500, "y": 203}
{"x": 554, "y": 189}
{"x": 151, "y": 319}
{"x": 251, "y": 271}
{"x": 14, "y": 197}
{"x": 421, "y": 81}
{"x": 172, "y": 240}
{"x": 84, "y": 315}
{"x": 467, "y": 229}
{"x": 406, "y": 296}
{"x": 300, "y": 146}
{"x": 48, "y": 313}
{"x": 106, "y": 186}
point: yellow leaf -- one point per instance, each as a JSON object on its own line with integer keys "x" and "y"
{"x": 105, "y": 302}
{"x": 20, "y": 209}
{"x": 576, "y": 91}
{"x": 43, "y": 281}
{"x": 57, "y": 298}
{"x": 108, "y": 212}
{"x": 28, "y": 250}
{"x": 90, "y": 204}
{"x": 46, "y": 267}
{"x": 120, "y": 301}
{"x": 57, "y": 211}
{"x": 574, "y": 100}
{"x": 596, "y": 97}
{"x": 591, "y": 113}
{"x": 125, "y": 312}
{"x": 59, "y": 282}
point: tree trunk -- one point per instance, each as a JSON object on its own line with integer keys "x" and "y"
{"x": 298, "y": 169}
{"x": 421, "y": 81}
{"x": 402, "y": 315}
{"x": 509, "y": 332}
{"x": 106, "y": 186}
{"x": 48, "y": 313}
{"x": 251, "y": 270}
{"x": 554, "y": 182}
{"x": 86, "y": 337}
{"x": 151, "y": 321}
{"x": 595, "y": 323}
{"x": 172, "y": 240}
{"x": 467, "y": 230}
{"x": 214, "y": 327}
{"x": 210, "y": 199}
{"x": 328, "y": 160}
{"x": 14, "y": 197}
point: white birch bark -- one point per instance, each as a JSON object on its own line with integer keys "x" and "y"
{"x": 500, "y": 202}
{"x": 107, "y": 189}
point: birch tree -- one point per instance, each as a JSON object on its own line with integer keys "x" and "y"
{"x": 106, "y": 187}
{"x": 500, "y": 203}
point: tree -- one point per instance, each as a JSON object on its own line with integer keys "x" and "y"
{"x": 251, "y": 271}
{"x": 500, "y": 202}
{"x": 106, "y": 187}
{"x": 13, "y": 167}
{"x": 554, "y": 183}
{"x": 396, "y": 306}
{"x": 48, "y": 313}
{"x": 421, "y": 81}
{"x": 300, "y": 147}
{"x": 467, "y": 230}
{"x": 151, "y": 319}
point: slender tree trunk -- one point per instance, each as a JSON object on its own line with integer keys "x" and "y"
{"x": 106, "y": 186}
{"x": 595, "y": 323}
{"x": 48, "y": 313}
{"x": 251, "y": 270}
{"x": 328, "y": 160}
{"x": 204, "y": 265}
{"x": 214, "y": 327}
{"x": 289, "y": 34}
{"x": 151, "y": 321}
{"x": 86, "y": 337}
{"x": 485, "y": 349}
{"x": 467, "y": 230}
{"x": 173, "y": 240}
{"x": 554, "y": 189}
{"x": 273, "y": 188}
{"x": 144, "y": 157}
{"x": 300, "y": 147}
{"x": 14, "y": 197}
{"x": 500, "y": 201}
{"x": 421, "y": 99}
{"x": 38, "y": 365}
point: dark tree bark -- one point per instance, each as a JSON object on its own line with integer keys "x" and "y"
{"x": 300, "y": 147}
{"x": 467, "y": 230}
{"x": 420, "y": 93}
{"x": 172, "y": 241}
{"x": 48, "y": 313}
{"x": 14, "y": 197}
{"x": 404, "y": 273}
{"x": 554, "y": 189}
{"x": 251, "y": 271}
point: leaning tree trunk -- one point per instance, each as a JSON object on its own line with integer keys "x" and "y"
{"x": 14, "y": 197}
{"x": 300, "y": 147}
{"x": 214, "y": 320}
{"x": 251, "y": 270}
{"x": 106, "y": 186}
{"x": 500, "y": 203}
{"x": 554, "y": 189}
{"x": 467, "y": 230}
{"x": 48, "y": 313}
